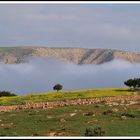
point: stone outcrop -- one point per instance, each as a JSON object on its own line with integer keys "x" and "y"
{"x": 46, "y": 105}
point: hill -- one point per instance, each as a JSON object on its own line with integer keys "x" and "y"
{"x": 65, "y": 95}
{"x": 15, "y": 55}
{"x": 109, "y": 109}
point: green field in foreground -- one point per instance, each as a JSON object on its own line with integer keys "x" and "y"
{"x": 71, "y": 121}
{"x": 56, "y": 96}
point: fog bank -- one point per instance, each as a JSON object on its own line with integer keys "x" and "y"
{"x": 40, "y": 75}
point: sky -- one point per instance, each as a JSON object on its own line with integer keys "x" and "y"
{"x": 115, "y": 26}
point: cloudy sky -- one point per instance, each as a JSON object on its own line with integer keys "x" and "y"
{"x": 114, "y": 26}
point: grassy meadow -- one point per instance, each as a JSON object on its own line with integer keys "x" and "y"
{"x": 71, "y": 121}
{"x": 65, "y": 95}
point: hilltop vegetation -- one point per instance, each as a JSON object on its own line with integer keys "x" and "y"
{"x": 6, "y": 94}
{"x": 65, "y": 95}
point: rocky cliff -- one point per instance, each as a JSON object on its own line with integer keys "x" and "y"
{"x": 12, "y": 55}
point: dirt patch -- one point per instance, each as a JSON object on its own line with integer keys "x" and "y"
{"x": 49, "y": 116}
{"x": 51, "y": 134}
{"x": 62, "y": 120}
{"x": 72, "y": 114}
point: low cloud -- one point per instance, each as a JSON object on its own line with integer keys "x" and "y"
{"x": 40, "y": 75}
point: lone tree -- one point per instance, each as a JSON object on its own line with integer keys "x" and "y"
{"x": 57, "y": 87}
{"x": 133, "y": 83}
{"x": 129, "y": 83}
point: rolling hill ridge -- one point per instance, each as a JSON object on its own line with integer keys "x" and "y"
{"x": 15, "y": 55}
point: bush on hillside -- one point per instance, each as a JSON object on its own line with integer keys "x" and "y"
{"x": 129, "y": 115}
{"x": 57, "y": 87}
{"x": 97, "y": 131}
{"x": 133, "y": 83}
{"x": 6, "y": 93}
{"x": 107, "y": 112}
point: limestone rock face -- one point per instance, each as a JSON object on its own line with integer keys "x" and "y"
{"x": 80, "y": 56}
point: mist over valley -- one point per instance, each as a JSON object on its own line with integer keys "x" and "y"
{"x": 41, "y": 74}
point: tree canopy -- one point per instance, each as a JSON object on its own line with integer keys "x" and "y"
{"x": 57, "y": 87}
{"x": 133, "y": 83}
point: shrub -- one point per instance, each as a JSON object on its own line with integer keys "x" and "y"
{"x": 35, "y": 134}
{"x": 6, "y": 93}
{"x": 97, "y": 131}
{"x": 107, "y": 112}
{"x": 89, "y": 114}
{"x": 128, "y": 115}
{"x": 134, "y": 83}
{"x": 57, "y": 87}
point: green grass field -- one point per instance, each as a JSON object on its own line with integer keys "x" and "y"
{"x": 44, "y": 122}
{"x": 56, "y": 96}
{"x": 70, "y": 120}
